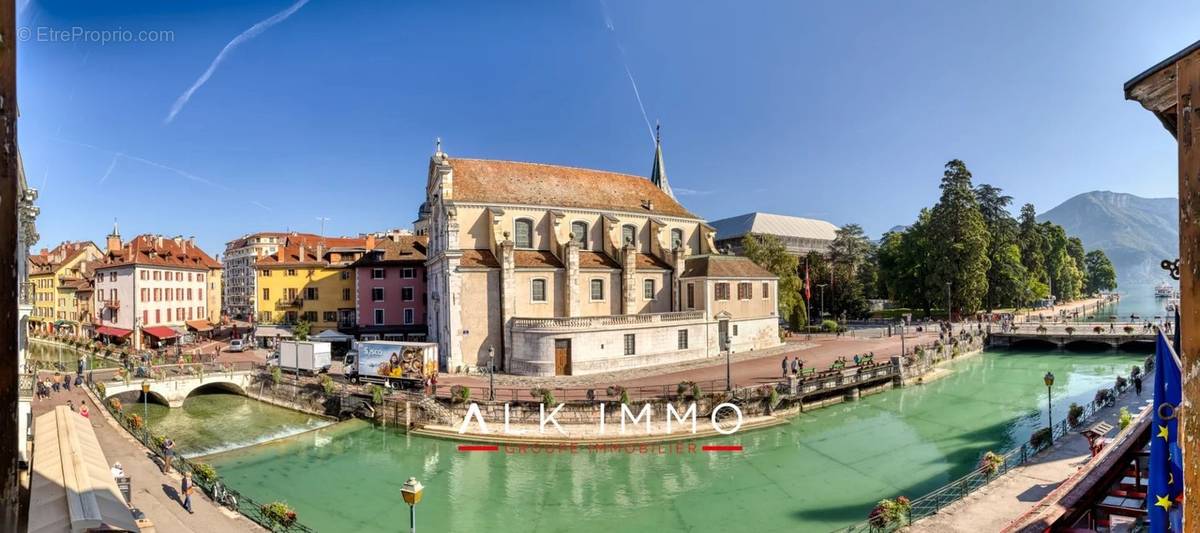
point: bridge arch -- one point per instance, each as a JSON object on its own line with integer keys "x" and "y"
{"x": 211, "y": 386}
{"x": 1138, "y": 345}
{"x": 1033, "y": 343}
{"x": 135, "y": 397}
{"x": 1087, "y": 345}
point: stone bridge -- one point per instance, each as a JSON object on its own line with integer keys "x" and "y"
{"x": 1079, "y": 335}
{"x": 172, "y": 384}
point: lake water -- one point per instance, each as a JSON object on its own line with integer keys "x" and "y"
{"x": 823, "y": 470}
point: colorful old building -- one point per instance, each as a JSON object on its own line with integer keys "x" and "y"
{"x": 309, "y": 279}
{"x": 150, "y": 290}
{"x": 390, "y": 289}
{"x": 552, "y": 270}
{"x": 55, "y": 274}
{"x": 240, "y": 274}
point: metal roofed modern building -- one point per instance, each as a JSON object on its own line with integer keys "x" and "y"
{"x": 800, "y": 235}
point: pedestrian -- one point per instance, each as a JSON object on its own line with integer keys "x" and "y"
{"x": 83, "y": 410}
{"x": 800, "y": 367}
{"x": 71, "y": 405}
{"x": 168, "y": 452}
{"x": 433, "y": 383}
{"x": 117, "y": 471}
{"x": 67, "y": 383}
{"x": 796, "y": 365}
{"x": 55, "y": 385}
{"x": 784, "y": 364}
{"x": 186, "y": 490}
{"x": 1137, "y": 385}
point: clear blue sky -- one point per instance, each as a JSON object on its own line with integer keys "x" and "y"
{"x": 823, "y": 109}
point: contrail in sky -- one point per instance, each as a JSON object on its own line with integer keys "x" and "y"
{"x": 251, "y": 33}
{"x": 144, "y": 161}
{"x": 608, "y": 23}
{"x": 111, "y": 166}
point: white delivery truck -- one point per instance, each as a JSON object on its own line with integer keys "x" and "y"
{"x": 304, "y": 356}
{"x": 394, "y": 364}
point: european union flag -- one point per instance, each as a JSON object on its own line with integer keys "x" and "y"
{"x": 1166, "y": 463}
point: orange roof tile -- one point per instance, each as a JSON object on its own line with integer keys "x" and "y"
{"x": 596, "y": 260}
{"x": 723, "y": 266}
{"x": 405, "y": 248}
{"x": 535, "y": 259}
{"x": 650, "y": 261}
{"x": 510, "y": 182}
{"x": 478, "y": 259}
{"x": 159, "y": 251}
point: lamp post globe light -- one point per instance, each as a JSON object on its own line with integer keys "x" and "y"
{"x": 491, "y": 374}
{"x": 1048, "y": 379}
{"x": 146, "y": 398}
{"x": 412, "y": 491}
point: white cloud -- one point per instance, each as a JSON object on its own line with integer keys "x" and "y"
{"x": 251, "y": 33}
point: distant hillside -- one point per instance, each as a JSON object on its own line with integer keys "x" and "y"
{"x": 1137, "y": 233}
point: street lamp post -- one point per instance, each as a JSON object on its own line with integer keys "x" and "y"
{"x": 411, "y": 491}
{"x": 822, "y": 287}
{"x": 1049, "y": 380}
{"x": 728, "y": 378}
{"x": 145, "y": 399}
{"x": 491, "y": 374}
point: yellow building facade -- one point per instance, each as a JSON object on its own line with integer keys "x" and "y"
{"x": 308, "y": 280}
{"x": 56, "y": 275}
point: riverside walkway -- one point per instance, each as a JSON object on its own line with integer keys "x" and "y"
{"x": 154, "y": 493}
{"x": 1017, "y": 492}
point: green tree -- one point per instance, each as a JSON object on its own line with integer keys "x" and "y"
{"x": 301, "y": 330}
{"x": 959, "y": 240}
{"x": 851, "y": 254}
{"x": 1006, "y": 280}
{"x": 1101, "y": 274}
{"x": 1031, "y": 241}
{"x": 768, "y": 252}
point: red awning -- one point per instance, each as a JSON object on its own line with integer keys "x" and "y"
{"x": 114, "y": 332}
{"x": 160, "y": 332}
{"x": 199, "y": 325}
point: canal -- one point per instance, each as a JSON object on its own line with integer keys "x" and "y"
{"x": 48, "y": 353}
{"x": 823, "y": 470}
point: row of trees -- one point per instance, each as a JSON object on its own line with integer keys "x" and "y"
{"x": 968, "y": 245}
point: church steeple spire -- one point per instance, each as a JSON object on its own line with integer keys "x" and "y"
{"x": 658, "y": 174}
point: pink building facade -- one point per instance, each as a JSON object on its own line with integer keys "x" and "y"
{"x": 390, "y": 295}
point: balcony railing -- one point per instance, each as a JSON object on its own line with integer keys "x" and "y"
{"x": 584, "y": 322}
{"x": 112, "y": 304}
{"x": 289, "y": 302}
{"x": 25, "y": 386}
{"x": 26, "y": 295}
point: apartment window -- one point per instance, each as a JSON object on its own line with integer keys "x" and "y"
{"x": 168, "y": 314}
{"x": 648, "y": 289}
{"x": 291, "y": 293}
{"x": 145, "y": 294}
{"x": 145, "y": 317}
{"x": 523, "y": 233}
{"x": 346, "y": 294}
{"x": 676, "y": 239}
{"x": 168, "y": 295}
{"x": 735, "y": 330}
{"x": 266, "y": 274}
{"x": 377, "y": 294}
{"x": 408, "y": 273}
{"x": 377, "y": 273}
{"x": 408, "y": 316}
{"x": 691, "y": 295}
{"x": 745, "y": 290}
{"x": 537, "y": 290}
{"x": 189, "y": 276}
{"x": 311, "y": 293}
{"x": 766, "y": 289}
{"x": 189, "y": 313}
{"x": 597, "y": 289}
{"x": 722, "y": 291}
{"x": 310, "y": 316}
{"x": 266, "y": 294}
{"x": 291, "y": 272}
{"x": 628, "y": 234}
{"x": 157, "y": 316}
{"x": 112, "y": 276}
{"x": 681, "y": 342}
{"x": 406, "y": 294}
{"x": 142, "y": 274}
{"x": 264, "y": 316}
{"x": 579, "y": 233}
{"x": 199, "y": 294}
{"x": 189, "y": 294}
{"x": 379, "y": 317}
{"x": 345, "y": 274}
{"x": 199, "y": 277}
{"x": 157, "y": 294}
{"x": 630, "y": 344}
{"x": 330, "y": 316}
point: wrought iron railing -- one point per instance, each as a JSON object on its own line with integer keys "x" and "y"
{"x": 26, "y": 295}
{"x": 25, "y": 384}
{"x": 229, "y": 497}
{"x": 960, "y": 488}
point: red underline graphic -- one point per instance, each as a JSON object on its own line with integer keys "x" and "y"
{"x": 714, "y": 448}
{"x": 471, "y": 448}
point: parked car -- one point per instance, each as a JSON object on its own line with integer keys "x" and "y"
{"x": 236, "y": 345}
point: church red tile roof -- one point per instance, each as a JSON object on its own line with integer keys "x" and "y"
{"x": 301, "y": 250}
{"x": 723, "y": 266}
{"x": 478, "y": 259}
{"x": 405, "y": 248}
{"x": 511, "y": 182}
{"x": 535, "y": 259}
{"x": 154, "y": 250}
{"x": 596, "y": 260}
{"x": 649, "y": 261}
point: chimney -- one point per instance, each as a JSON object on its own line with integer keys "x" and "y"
{"x": 158, "y": 242}
{"x": 301, "y": 253}
{"x": 281, "y": 256}
{"x": 371, "y": 241}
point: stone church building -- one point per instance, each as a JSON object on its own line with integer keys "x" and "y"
{"x": 554, "y": 270}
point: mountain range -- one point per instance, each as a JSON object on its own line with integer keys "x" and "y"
{"x": 1136, "y": 233}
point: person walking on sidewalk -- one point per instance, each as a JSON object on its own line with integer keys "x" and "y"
{"x": 784, "y": 363}
{"x": 185, "y": 490}
{"x": 1137, "y": 385}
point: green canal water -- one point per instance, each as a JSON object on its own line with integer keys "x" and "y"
{"x": 823, "y": 470}
{"x": 44, "y": 352}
